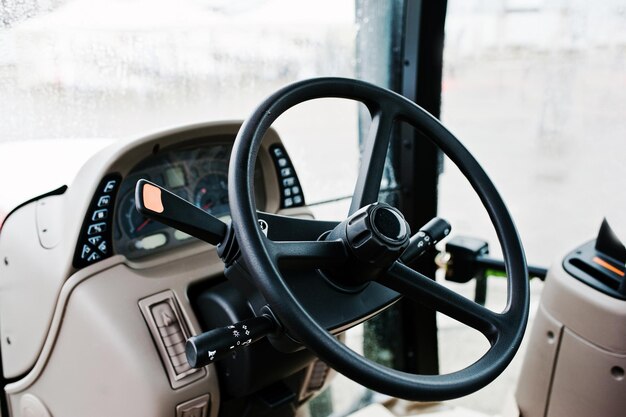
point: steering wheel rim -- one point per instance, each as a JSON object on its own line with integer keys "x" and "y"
{"x": 504, "y": 330}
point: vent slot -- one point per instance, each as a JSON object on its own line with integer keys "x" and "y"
{"x": 596, "y": 273}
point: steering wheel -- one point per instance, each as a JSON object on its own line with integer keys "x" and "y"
{"x": 371, "y": 241}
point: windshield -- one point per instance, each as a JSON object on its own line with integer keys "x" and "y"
{"x": 78, "y": 74}
{"x": 85, "y": 72}
{"x": 536, "y": 90}
{"x": 116, "y": 68}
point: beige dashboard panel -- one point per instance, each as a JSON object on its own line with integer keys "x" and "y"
{"x": 584, "y": 381}
{"x": 38, "y": 264}
{"x": 589, "y": 313}
{"x": 104, "y": 361}
{"x": 77, "y": 342}
{"x": 48, "y": 211}
{"x": 29, "y": 284}
{"x": 545, "y": 338}
{"x": 574, "y": 366}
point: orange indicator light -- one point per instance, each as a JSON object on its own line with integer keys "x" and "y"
{"x": 608, "y": 266}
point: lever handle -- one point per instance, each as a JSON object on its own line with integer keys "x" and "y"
{"x": 218, "y": 343}
{"x": 166, "y": 207}
{"x": 431, "y": 233}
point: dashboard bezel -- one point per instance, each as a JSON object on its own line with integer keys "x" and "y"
{"x": 122, "y": 157}
{"x": 193, "y": 155}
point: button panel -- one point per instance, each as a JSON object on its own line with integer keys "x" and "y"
{"x": 170, "y": 332}
{"x": 104, "y": 201}
{"x": 95, "y": 237}
{"x": 290, "y": 191}
{"x": 99, "y": 214}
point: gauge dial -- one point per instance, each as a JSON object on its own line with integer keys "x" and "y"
{"x": 135, "y": 224}
{"x": 198, "y": 174}
{"x": 211, "y": 194}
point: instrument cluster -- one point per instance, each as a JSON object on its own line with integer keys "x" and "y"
{"x": 198, "y": 174}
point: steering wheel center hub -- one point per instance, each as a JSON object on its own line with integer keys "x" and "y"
{"x": 376, "y": 236}
{"x": 389, "y": 224}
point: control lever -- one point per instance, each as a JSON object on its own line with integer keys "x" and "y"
{"x": 218, "y": 343}
{"x": 427, "y": 237}
{"x": 166, "y": 207}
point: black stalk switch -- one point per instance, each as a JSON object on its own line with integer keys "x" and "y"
{"x": 431, "y": 233}
{"x": 166, "y": 207}
{"x": 218, "y": 343}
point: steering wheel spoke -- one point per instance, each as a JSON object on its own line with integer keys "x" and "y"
{"x": 373, "y": 158}
{"x": 295, "y": 242}
{"x": 308, "y": 254}
{"x": 419, "y": 287}
{"x": 287, "y": 228}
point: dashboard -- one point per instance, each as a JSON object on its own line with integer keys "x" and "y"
{"x": 117, "y": 294}
{"x": 196, "y": 170}
{"x": 197, "y": 174}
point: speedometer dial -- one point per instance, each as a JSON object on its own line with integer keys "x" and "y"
{"x": 134, "y": 224}
{"x": 211, "y": 194}
{"x": 198, "y": 174}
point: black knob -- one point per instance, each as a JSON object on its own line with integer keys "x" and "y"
{"x": 377, "y": 234}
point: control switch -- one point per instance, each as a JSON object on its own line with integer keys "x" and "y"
{"x": 96, "y": 232}
{"x": 287, "y": 178}
{"x": 170, "y": 332}
{"x": 198, "y": 407}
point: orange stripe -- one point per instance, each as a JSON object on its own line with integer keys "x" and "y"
{"x": 608, "y": 266}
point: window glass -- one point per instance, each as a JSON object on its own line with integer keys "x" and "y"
{"x": 81, "y": 70}
{"x": 78, "y": 74}
{"x": 112, "y": 68}
{"x": 536, "y": 91}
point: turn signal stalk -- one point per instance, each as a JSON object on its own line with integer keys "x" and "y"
{"x": 431, "y": 233}
{"x": 157, "y": 203}
{"x": 218, "y": 343}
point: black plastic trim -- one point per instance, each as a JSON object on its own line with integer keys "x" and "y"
{"x": 96, "y": 253}
{"x": 579, "y": 264}
{"x": 59, "y": 191}
{"x": 288, "y": 196}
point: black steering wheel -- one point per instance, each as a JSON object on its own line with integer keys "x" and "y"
{"x": 371, "y": 242}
